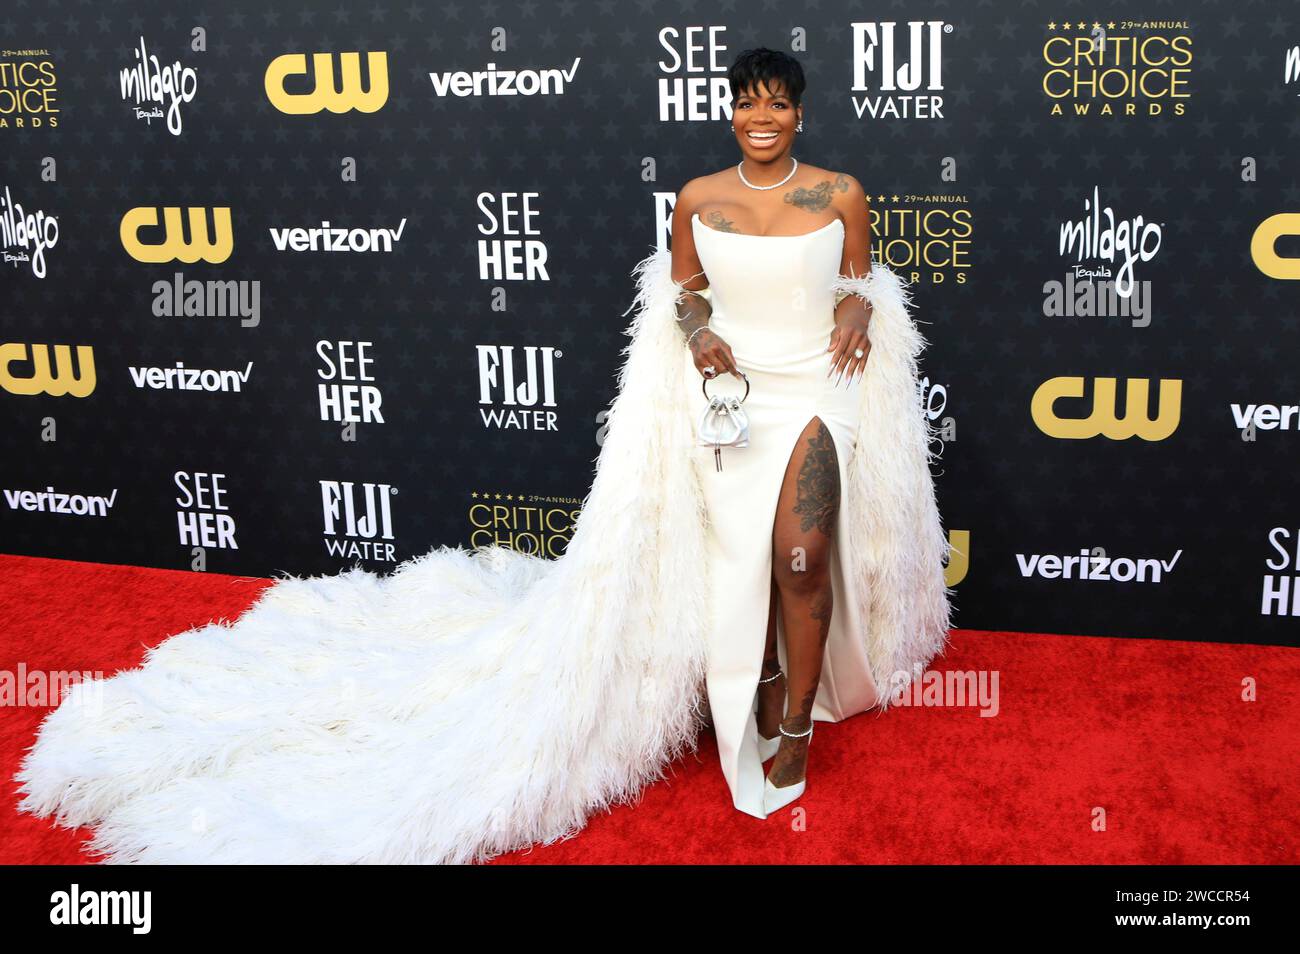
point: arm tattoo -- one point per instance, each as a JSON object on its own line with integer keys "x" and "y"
{"x": 693, "y": 312}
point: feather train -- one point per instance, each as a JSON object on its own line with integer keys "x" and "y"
{"x": 473, "y": 702}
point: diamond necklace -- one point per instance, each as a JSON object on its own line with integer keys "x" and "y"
{"x": 793, "y": 167}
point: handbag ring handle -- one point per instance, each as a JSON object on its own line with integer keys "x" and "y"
{"x": 705, "y": 386}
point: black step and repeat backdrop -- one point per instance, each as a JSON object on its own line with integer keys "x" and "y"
{"x": 304, "y": 286}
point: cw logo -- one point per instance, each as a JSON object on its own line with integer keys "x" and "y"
{"x": 958, "y": 557}
{"x": 1104, "y": 419}
{"x": 42, "y": 380}
{"x": 202, "y": 246}
{"x": 1262, "y": 246}
{"x": 340, "y": 97}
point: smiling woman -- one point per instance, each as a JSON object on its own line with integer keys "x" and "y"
{"x": 766, "y": 115}
{"x": 781, "y": 322}
{"x": 477, "y": 701}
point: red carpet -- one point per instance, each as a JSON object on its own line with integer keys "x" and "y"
{"x": 1152, "y": 733}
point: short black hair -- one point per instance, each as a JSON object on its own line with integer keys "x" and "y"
{"x": 773, "y": 67}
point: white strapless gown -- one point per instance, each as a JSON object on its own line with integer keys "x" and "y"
{"x": 473, "y": 702}
{"x": 773, "y": 304}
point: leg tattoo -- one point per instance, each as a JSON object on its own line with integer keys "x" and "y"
{"x": 806, "y": 515}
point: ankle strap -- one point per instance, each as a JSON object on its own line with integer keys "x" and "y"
{"x": 796, "y": 735}
{"x": 771, "y": 677}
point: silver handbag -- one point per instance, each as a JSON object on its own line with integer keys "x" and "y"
{"x": 724, "y": 422}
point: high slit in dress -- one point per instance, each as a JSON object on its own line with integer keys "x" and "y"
{"x": 773, "y": 305}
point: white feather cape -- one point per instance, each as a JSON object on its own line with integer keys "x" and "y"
{"x": 474, "y": 702}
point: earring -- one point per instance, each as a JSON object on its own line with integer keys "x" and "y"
{"x": 799, "y": 128}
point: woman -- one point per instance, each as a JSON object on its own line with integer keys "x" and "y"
{"x": 760, "y": 245}
{"x": 474, "y": 702}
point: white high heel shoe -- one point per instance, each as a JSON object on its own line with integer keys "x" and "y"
{"x": 775, "y": 798}
{"x": 767, "y": 747}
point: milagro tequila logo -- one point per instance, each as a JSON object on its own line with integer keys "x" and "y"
{"x": 1291, "y": 68}
{"x": 1126, "y": 242}
{"x": 358, "y": 519}
{"x": 153, "y": 86}
{"x": 30, "y": 232}
{"x": 905, "y": 68}
{"x": 934, "y": 397}
{"x": 515, "y": 389}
